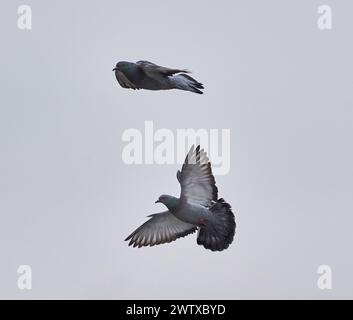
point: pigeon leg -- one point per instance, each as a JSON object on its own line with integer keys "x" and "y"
{"x": 202, "y": 222}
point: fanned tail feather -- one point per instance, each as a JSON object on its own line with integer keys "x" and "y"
{"x": 219, "y": 232}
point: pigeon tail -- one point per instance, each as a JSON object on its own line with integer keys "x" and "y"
{"x": 218, "y": 234}
{"x": 185, "y": 82}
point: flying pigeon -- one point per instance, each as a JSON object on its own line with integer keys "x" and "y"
{"x": 149, "y": 76}
{"x": 197, "y": 208}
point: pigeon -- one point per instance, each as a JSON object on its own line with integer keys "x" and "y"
{"x": 149, "y": 76}
{"x": 197, "y": 208}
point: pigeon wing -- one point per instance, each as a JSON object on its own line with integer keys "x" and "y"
{"x": 197, "y": 182}
{"x": 152, "y": 69}
{"x": 160, "y": 228}
{"x": 124, "y": 81}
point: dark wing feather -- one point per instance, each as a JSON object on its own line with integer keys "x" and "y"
{"x": 124, "y": 81}
{"x": 160, "y": 228}
{"x": 152, "y": 69}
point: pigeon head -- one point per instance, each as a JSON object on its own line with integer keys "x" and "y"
{"x": 169, "y": 201}
{"x": 124, "y": 66}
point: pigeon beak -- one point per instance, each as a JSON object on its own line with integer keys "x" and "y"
{"x": 157, "y": 201}
{"x": 115, "y": 69}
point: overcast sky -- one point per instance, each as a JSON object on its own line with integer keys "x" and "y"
{"x": 67, "y": 200}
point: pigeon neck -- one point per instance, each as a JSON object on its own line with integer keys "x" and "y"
{"x": 172, "y": 204}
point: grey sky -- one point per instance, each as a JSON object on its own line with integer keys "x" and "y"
{"x": 67, "y": 200}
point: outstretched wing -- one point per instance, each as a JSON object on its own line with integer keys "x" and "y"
{"x": 161, "y": 228}
{"x": 152, "y": 69}
{"x": 124, "y": 81}
{"x": 197, "y": 182}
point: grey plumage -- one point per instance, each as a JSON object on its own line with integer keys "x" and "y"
{"x": 197, "y": 208}
{"x": 149, "y": 76}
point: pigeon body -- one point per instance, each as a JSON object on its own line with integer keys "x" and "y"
{"x": 197, "y": 208}
{"x": 149, "y": 76}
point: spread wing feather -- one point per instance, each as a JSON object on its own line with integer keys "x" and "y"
{"x": 161, "y": 228}
{"x": 197, "y": 182}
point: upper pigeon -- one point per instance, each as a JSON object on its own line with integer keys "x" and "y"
{"x": 197, "y": 208}
{"x": 149, "y": 76}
